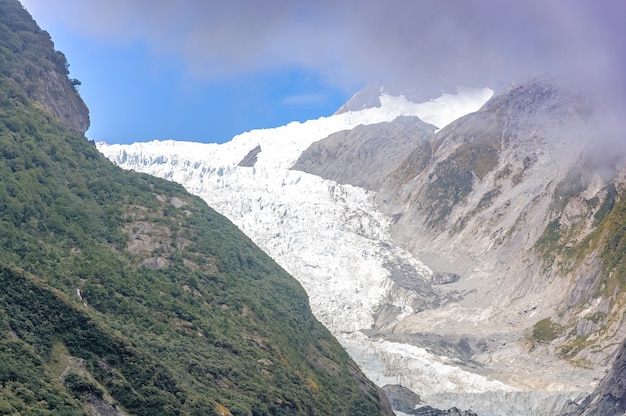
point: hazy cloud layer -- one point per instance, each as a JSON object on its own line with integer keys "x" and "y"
{"x": 434, "y": 43}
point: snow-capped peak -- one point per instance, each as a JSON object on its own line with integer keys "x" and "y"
{"x": 443, "y": 110}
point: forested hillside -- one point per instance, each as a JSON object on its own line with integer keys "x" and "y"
{"x": 121, "y": 293}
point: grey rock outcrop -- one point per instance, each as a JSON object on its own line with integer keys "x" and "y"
{"x": 430, "y": 411}
{"x": 514, "y": 189}
{"x": 365, "y": 155}
{"x": 609, "y": 398}
{"x": 526, "y": 403}
{"x": 402, "y": 399}
{"x": 368, "y": 97}
{"x": 55, "y": 92}
{"x": 405, "y": 401}
{"x": 250, "y": 159}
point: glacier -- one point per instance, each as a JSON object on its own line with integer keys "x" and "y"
{"x": 330, "y": 237}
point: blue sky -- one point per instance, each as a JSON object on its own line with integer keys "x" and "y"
{"x": 136, "y": 95}
{"x": 206, "y": 70}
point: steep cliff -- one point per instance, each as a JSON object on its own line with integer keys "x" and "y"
{"x": 28, "y": 58}
{"x": 610, "y": 396}
{"x": 516, "y": 196}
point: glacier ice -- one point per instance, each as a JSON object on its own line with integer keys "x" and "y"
{"x": 328, "y": 236}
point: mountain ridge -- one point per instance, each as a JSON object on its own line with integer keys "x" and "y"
{"x": 365, "y": 149}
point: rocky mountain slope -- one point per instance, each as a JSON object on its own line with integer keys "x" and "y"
{"x": 514, "y": 200}
{"x": 518, "y": 201}
{"x": 610, "y": 396}
{"x": 367, "y": 97}
{"x": 124, "y": 294}
{"x": 365, "y": 155}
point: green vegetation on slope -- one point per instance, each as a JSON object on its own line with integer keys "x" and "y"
{"x": 165, "y": 305}
{"x": 613, "y": 227}
{"x": 572, "y": 243}
{"x": 545, "y": 331}
{"x": 608, "y": 243}
{"x": 453, "y": 177}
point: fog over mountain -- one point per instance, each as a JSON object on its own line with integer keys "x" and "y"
{"x": 428, "y": 44}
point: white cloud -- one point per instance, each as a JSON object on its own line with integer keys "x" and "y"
{"x": 429, "y": 43}
{"x": 303, "y": 99}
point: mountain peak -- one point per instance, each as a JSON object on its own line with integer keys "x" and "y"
{"x": 540, "y": 98}
{"x": 368, "y": 97}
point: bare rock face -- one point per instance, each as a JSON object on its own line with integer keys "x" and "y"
{"x": 41, "y": 71}
{"x": 518, "y": 125}
{"x": 609, "y": 398}
{"x": 250, "y": 159}
{"x": 402, "y": 399}
{"x": 55, "y": 92}
{"x": 513, "y": 202}
{"x": 430, "y": 411}
{"x": 368, "y": 97}
{"x": 365, "y": 155}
